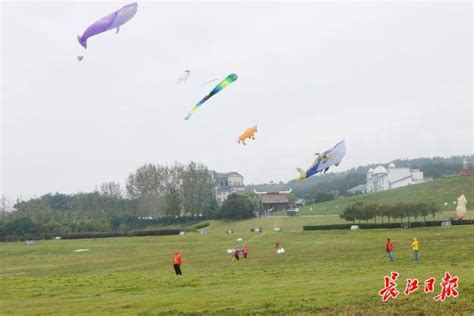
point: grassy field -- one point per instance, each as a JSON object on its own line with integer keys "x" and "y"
{"x": 321, "y": 272}
{"x": 438, "y": 191}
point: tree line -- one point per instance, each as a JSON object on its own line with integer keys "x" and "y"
{"x": 153, "y": 194}
{"x": 178, "y": 190}
{"x": 365, "y": 212}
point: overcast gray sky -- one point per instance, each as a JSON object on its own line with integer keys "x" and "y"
{"x": 392, "y": 79}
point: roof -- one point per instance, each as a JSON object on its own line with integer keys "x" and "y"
{"x": 380, "y": 169}
{"x": 227, "y": 174}
{"x": 274, "y": 192}
{"x": 400, "y": 179}
{"x": 274, "y": 198}
{"x": 358, "y": 188}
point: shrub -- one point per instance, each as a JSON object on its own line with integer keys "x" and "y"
{"x": 359, "y": 211}
{"x": 323, "y": 197}
{"x": 236, "y": 207}
{"x": 385, "y": 225}
{"x": 159, "y": 232}
{"x": 83, "y": 235}
{"x": 201, "y": 225}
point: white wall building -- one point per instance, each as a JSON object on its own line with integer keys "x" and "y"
{"x": 380, "y": 179}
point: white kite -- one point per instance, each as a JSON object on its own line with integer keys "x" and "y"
{"x": 184, "y": 77}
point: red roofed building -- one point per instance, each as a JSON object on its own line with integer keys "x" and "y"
{"x": 274, "y": 201}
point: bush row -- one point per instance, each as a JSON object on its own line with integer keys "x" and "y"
{"x": 360, "y": 211}
{"x": 202, "y": 225}
{"x": 385, "y": 225}
{"x": 82, "y": 235}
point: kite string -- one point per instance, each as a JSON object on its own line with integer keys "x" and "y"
{"x": 212, "y": 80}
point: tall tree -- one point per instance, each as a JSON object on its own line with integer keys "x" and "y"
{"x": 172, "y": 188}
{"x": 198, "y": 190}
{"x": 148, "y": 178}
{"x": 111, "y": 190}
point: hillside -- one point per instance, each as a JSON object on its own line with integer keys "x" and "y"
{"x": 438, "y": 191}
{"x": 337, "y": 183}
{"x": 333, "y": 272}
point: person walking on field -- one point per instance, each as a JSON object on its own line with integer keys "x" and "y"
{"x": 237, "y": 251}
{"x": 177, "y": 261}
{"x": 389, "y": 249}
{"x": 245, "y": 252}
{"x": 277, "y": 244}
{"x": 415, "y": 246}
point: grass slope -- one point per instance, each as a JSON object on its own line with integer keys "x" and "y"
{"x": 321, "y": 272}
{"x": 438, "y": 191}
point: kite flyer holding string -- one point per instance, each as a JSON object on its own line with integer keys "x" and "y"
{"x": 415, "y": 246}
{"x": 389, "y": 249}
{"x": 177, "y": 261}
{"x": 245, "y": 252}
{"x": 236, "y": 253}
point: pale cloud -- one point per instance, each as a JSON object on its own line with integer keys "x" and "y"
{"x": 392, "y": 79}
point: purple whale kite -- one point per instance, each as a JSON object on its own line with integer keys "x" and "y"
{"x": 109, "y": 22}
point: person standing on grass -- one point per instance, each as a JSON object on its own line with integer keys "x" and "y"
{"x": 389, "y": 249}
{"x": 415, "y": 246}
{"x": 177, "y": 261}
{"x": 245, "y": 252}
{"x": 277, "y": 244}
{"x": 236, "y": 253}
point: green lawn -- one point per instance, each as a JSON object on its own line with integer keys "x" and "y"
{"x": 438, "y": 191}
{"x": 326, "y": 272}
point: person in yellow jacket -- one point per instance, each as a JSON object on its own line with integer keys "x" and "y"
{"x": 415, "y": 246}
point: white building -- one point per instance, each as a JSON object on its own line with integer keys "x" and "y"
{"x": 380, "y": 179}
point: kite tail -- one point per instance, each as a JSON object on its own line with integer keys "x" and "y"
{"x": 81, "y": 41}
{"x": 191, "y": 112}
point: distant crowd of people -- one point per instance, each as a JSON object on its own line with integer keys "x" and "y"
{"x": 239, "y": 251}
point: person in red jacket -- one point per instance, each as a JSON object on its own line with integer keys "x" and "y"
{"x": 177, "y": 261}
{"x": 245, "y": 252}
{"x": 277, "y": 244}
{"x": 389, "y": 249}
